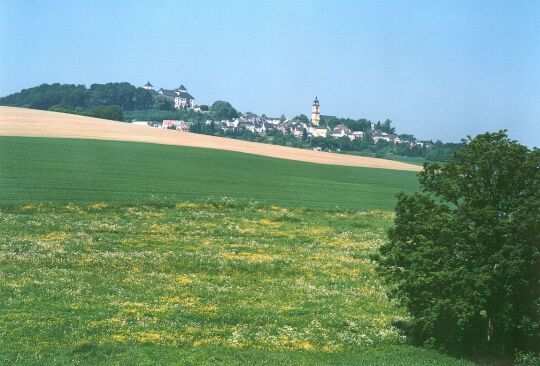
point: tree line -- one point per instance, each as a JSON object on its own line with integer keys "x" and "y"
{"x": 45, "y": 96}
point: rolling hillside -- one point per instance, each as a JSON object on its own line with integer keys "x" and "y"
{"x": 75, "y": 170}
{"x": 123, "y": 252}
{"x": 37, "y": 123}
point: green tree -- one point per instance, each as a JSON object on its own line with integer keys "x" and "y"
{"x": 302, "y": 118}
{"x": 113, "y": 112}
{"x": 162, "y": 103}
{"x": 223, "y": 110}
{"x": 464, "y": 255}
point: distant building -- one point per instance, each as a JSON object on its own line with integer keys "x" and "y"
{"x": 140, "y": 123}
{"x": 317, "y": 132}
{"x": 180, "y": 96}
{"x": 340, "y": 131}
{"x": 380, "y": 136}
{"x": 273, "y": 120}
{"x": 176, "y": 125}
{"x": 394, "y": 138}
{"x": 356, "y": 135}
{"x": 315, "y": 113}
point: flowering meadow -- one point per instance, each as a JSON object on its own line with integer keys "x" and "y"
{"x": 196, "y": 283}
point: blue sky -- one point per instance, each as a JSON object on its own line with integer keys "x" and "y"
{"x": 438, "y": 69}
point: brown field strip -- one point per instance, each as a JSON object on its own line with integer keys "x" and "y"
{"x": 37, "y": 123}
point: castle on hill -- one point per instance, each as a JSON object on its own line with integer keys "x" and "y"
{"x": 179, "y": 96}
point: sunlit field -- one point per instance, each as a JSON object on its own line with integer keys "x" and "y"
{"x": 72, "y": 170}
{"x": 207, "y": 283}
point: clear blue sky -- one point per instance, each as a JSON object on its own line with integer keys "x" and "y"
{"x": 438, "y": 69}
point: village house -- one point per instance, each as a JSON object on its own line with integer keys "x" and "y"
{"x": 317, "y": 132}
{"x": 356, "y": 135}
{"x": 246, "y": 125}
{"x": 380, "y": 136}
{"x": 394, "y": 138}
{"x": 340, "y": 131}
{"x": 293, "y": 127}
{"x": 176, "y": 125}
{"x": 252, "y": 117}
{"x": 426, "y": 144}
{"x": 273, "y": 120}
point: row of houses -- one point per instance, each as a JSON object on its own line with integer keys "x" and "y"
{"x": 296, "y": 128}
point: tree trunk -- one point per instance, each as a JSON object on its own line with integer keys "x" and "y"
{"x": 489, "y": 330}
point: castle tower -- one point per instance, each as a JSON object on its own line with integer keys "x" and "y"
{"x": 148, "y": 86}
{"x": 315, "y": 113}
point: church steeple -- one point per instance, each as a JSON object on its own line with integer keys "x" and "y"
{"x": 315, "y": 113}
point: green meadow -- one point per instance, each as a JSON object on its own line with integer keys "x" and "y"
{"x": 72, "y": 170}
{"x": 139, "y": 254}
{"x": 196, "y": 283}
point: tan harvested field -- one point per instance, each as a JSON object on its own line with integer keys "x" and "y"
{"x": 37, "y": 123}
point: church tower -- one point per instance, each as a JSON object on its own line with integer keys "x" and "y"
{"x": 315, "y": 113}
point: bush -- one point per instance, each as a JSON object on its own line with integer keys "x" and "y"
{"x": 526, "y": 359}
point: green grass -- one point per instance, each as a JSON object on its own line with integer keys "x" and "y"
{"x": 71, "y": 170}
{"x": 196, "y": 283}
{"x": 138, "y": 254}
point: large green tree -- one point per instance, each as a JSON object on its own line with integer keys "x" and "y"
{"x": 464, "y": 255}
{"x": 223, "y": 110}
{"x": 162, "y": 103}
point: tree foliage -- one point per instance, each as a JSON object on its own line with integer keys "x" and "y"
{"x": 223, "y": 110}
{"x": 45, "y": 96}
{"x": 112, "y": 112}
{"x": 301, "y": 118}
{"x": 162, "y": 103}
{"x": 464, "y": 255}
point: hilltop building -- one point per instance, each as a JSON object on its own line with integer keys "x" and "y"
{"x": 315, "y": 113}
{"x": 180, "y": 96}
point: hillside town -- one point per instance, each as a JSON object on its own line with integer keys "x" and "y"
{"x": 254, "y": 123}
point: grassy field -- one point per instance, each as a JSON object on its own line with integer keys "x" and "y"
{"x": 71, "y": 170}
{"x": 132, "y": 254}
{"x": 196, "y": 283}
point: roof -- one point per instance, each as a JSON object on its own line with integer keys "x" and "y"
{"x": 181, "y": 87}
{"x": 342, "y": 127}
{"x": 316, "y": 101}
{"x": 184, "y": 95}
{"x": 175, "y": 94}
{"x": 148, "y": 84}
{"x": 167, "y": 93}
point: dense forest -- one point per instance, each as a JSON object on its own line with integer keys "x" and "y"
{"x": 125, "y": 102}
{"x": 109, "y": 100}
